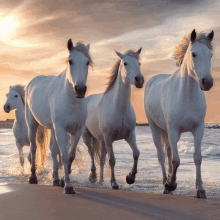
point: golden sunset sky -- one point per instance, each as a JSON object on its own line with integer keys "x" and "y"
{"x": 34, "y": 35}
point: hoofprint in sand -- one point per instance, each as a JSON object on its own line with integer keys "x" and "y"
{"x": 176, "y": 103}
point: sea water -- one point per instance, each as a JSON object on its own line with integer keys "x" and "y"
{"x": 149, "y": 176}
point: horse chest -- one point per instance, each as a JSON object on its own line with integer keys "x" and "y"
{"x": 121, "y": 129}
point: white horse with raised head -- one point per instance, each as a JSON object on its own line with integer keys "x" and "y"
{"x": 57, "y": 103}
{"x": 16, "y": 101}
{"x": 176, "y": 103}
{"x": 111, "y": 116}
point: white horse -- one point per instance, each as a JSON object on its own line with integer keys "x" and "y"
{"x": 176, "y": 103}
{"x": 56, "y": 102}
{"x": 15, "y": 101}
{"x": 111, "y": 116}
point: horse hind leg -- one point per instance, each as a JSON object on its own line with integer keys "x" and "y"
{"x": 32, "y": 130}
{"x": 130, "y": 179}
{"x": 54, "y": 151}
{"x": 89, "y": 140}
{"x": 102, "y": 162}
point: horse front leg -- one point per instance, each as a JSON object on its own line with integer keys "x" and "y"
{"x": 21, "y": 156}
{"x": 173, "y": 136}
{"x": 131, "y": 139}
{"x": 32, "y": 131}
{"x": 108, "y": 144}
{"x": 63, "y": 143}
{"x": 198, "y": 135}
{"x": 73, "y": 145}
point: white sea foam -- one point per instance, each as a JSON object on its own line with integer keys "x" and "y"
{"x": 149, "y": 176}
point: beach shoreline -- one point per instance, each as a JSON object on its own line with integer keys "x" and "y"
{"x": 25, "y": 201}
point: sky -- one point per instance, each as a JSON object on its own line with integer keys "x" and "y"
{"x": 34, "y": 35}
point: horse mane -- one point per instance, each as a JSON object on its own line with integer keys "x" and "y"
{"x": 83, "y": 49}
{"x": 114, "y": 70}
{"x": 181, "y": 49}
{"x": 21, "y": 90}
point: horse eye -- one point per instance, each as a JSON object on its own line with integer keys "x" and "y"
{"x": 193, "y": 55}
{"x": 16, "y": 96}
{"x": 139, "y": 64}
{"x": 70, "y": 62}
{"x": 125, "y": 64}
{"x": 87, "y": 63}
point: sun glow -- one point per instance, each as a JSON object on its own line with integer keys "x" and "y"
{"x": 7, "y": 27}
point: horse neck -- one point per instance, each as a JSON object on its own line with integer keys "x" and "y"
{"x": 122, "y": 93}
{"x": 68, "y": 85}
{"x": 19, "y": 114}
{"x": 189, "y": 87}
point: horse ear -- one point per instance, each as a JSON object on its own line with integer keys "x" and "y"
{"x": 139, "y": 51}
{"x": 210, "y": 36}
{"x": 88, "y": 46}
{"x": 119, "y": 54}
{"x": 69, "y": 45}
{"x": 193, "y": 36}
{"x": 9, "y": 87}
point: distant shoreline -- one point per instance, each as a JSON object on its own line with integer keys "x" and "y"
{"x": 8, "y": 124}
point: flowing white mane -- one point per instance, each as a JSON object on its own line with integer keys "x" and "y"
{"x": 114, "y": 71}
{"x": 181, "y": 49}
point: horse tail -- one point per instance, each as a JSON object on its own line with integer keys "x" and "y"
{"x": 97, "y": 150}
{"x": 79, "y": 159}
{"x": 164, "y": 137}
{"x": 96, "y": 144}
{"x": 43, "y": 145}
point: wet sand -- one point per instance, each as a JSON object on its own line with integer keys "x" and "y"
{"x": 24, "y": 201}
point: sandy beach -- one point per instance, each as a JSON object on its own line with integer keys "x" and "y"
{"x": 24, "y": 201}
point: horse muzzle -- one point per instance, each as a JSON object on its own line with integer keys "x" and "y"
{"x": 80, "y": 91}
{"x": 139, "y": 81}
{"x": 7, "y": 108}
{"x": 206, "y": 84}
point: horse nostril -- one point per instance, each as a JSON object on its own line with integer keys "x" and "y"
{"x": 203, "y": 81}
{"x": 136, "y": 78}
{"x": 81, "y": 89}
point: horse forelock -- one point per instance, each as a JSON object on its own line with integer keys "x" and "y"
{"x": 19, "y": 89}
{"x": 181, "y": 49}
{"x": 114, "y": 70}
{"x": 83, "y": 49}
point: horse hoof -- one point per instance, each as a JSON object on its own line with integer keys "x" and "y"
{"x": 69, "y": 190}
{"x": 170, "y": 187}
{"x": 62, "y": 183}
{"x": 33, "y": 180}
{"x": 200, "y": 194}
{"x": 56, "y": 183}
{"x": 115, "y": 186}
{"x": 166, "y": 191}
{"x": 130, "y": 179}
{"x": 92, "y": 178}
